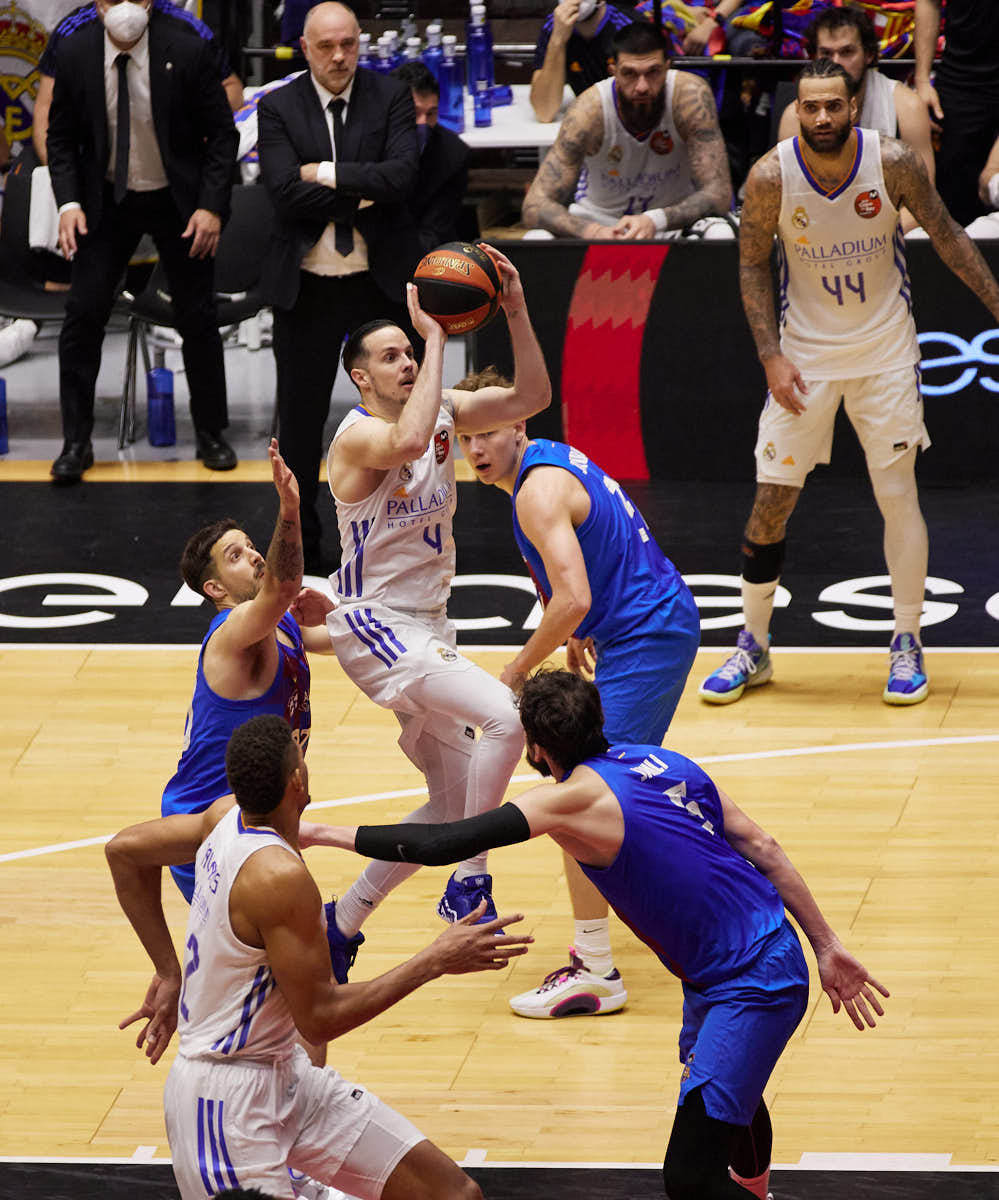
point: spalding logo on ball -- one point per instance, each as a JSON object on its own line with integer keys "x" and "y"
{"x": 459, "y": 286}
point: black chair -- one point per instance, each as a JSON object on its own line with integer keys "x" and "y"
{"x": 238, "y": 261}
{"x": 22, "y": 291}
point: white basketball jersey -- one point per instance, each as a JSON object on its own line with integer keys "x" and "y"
{"x": 397, "y": 544}
{"x": 845, "y": 307}
{"x": 230, "y": 1006}
{"x": 630, "y": 175}
{"x": 879, "y": 104}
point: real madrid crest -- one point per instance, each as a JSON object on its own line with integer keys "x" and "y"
{"x": 615, "y": 154}
{"x": 799, "y": 218}
{"x": 22, "y": 41}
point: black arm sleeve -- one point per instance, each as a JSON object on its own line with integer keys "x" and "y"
{"x": 438, "y": 845}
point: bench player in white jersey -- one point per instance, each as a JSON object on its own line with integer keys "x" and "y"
{"x": 242, "y": 1102}
{"x": 832, "y": 196}
{"x": 847, "y": 36}
{"x": 391, "y": 472}
{"x": 637, "y": 155}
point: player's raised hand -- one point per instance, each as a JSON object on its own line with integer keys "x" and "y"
{"x": 424, "y": 325}
{"x": 785, "y": 383}
{"x": 284, "y": 478}
{"x": 464, "y": 946}
{"x": 848, "y": 984}
{"x": 159, "y": 1011}
{"x": 512, "y": 301}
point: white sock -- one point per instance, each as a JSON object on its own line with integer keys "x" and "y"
{"x": 907, "y": 618}
{"x": 758, "y": 607}
{"x": 592, "y": 945}
{"x": 472, "y": 866}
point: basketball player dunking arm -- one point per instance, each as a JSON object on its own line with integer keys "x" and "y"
{"x": 391, "y": 472}
{"x": 832, "y": 196}
{"x": 637, "y": 154}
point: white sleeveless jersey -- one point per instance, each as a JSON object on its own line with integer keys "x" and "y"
{"x": 845, "y": 307}
{"x": 879, "y": 104}
{"x": 398, "y": 544}
{"x": 230, "y": 1006}
{"x": 628, "y": 175}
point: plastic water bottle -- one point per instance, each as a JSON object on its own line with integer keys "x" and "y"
{"x": 452, "y": 100}
{"x": 159, "y": 397}
{"x": 433, "y": 52}
{"x": 409, "y": 27}
{"x": 383, "y": 62}
{"x": 4, "y": 447}
{"x": 364, "y": 58}
{"x": 478, "y": 11}
{"x": 392, "y": 37}
{"x": 479, "y": 63}
{"x": 412, "y": 51}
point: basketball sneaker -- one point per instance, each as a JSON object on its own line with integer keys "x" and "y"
{"x": 748, "y": 666}
{"x": 907, "y": 682}
{"x": 463, "y": 896}
{"x": 572, "y": 991}
{"x": 343, "y": 949}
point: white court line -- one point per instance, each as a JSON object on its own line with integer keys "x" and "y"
{"x": 402, "y": 793}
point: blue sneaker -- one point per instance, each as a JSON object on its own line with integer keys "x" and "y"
{"x": 463, "y": 896}
{"x": 907, "y": 682}
{"x": 748, "y": 666}
{"x": 343, "y": 950}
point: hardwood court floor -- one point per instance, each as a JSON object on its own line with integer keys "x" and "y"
{"x": 890, "y": 815}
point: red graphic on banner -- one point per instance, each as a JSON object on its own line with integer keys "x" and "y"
{"x": 602, "y": 356}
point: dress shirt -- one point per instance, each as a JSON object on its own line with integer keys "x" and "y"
{"x": 323, "y": 258}
{"x": 145, "y": 166}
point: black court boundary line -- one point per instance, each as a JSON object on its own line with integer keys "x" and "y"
{"x": 47, "y": 1180}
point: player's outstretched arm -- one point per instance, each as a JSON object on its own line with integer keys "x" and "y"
{"x": 491, "y": 407}
{"x": 546, "y": 205}
{"x": 909, "y": 185}
{"x": 280, "y": 900}
{"x": 844, "y": 980}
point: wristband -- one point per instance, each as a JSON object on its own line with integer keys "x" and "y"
{"x": 658, "y": 219}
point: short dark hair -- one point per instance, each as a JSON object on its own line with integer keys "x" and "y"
{"x": 419, "y": 77}
{"x": 561, "y": 712}
{"x": 487, "y": 377}
{"x": 354, "y": 351}
{"x": 842, "y": 18}
{"x": 196, "y": 562}
{"x": 259, "y": 761}
{"x": 640, "y": 37}
{"x": 826, "y": 68}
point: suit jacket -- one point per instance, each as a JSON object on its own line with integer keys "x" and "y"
{"x": 441, "y": 183}
{"x": 191, "y": 118}
{"x": 378, "y": 162}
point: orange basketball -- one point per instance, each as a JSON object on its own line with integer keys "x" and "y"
{"x": 458, "y": 286}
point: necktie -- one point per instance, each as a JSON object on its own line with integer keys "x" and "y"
{"x": 121, "y": 133}
{"x": 343, "y": 235}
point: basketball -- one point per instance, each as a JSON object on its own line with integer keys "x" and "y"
{"x": 459, "y": 286}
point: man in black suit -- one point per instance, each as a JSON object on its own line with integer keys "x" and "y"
{"x": 338, "y": 154}
{"x": 442, "y": 180}
{"x": 153, "y": 156}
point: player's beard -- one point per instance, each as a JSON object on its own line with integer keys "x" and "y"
{"x": 831, "y": 146}
{"x": 642, "y": 118}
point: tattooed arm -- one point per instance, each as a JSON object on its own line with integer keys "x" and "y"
{"x": 546, "y": 205}
{"x": 909, "y": 186}
{"x": 696, "y": 120}
{"x": 757, "y": 226}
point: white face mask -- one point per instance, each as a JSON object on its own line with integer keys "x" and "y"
{"x": 126, "y": 22}
{"x": 586, "y": 10}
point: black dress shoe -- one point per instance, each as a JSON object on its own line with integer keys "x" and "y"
{"x": 75, "y": 458}
{"x": 215, "y": 452}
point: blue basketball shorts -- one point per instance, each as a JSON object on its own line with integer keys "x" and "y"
{"x": 734, "y": 1032}
{"x": 640, "y": 677}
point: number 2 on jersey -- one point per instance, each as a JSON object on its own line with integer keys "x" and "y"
{"x": 192, "y": 965}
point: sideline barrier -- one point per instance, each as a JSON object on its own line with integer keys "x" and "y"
{"x": 655, "y": 374}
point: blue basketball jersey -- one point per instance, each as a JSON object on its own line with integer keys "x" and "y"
{"x": 200, "y": 777}
{"x": 630, "y": 577}
{"x": 676, "y": 882}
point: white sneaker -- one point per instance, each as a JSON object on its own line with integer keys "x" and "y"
{"x": 311, "y": 1189}
{"x": 572, "y": 991}
{"x": 15, "y": 338}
